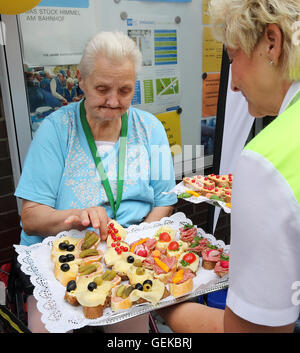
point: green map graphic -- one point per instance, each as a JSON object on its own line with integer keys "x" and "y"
{"x": 166, "y": 86}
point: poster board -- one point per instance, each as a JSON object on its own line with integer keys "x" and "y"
{"x": 171, "y": 79}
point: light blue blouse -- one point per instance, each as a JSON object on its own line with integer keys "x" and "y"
{"x": 59, "y": 170}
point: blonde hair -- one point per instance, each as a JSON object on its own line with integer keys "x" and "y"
{"x": 241, "y": 24}
{"x": 112, "y": 45}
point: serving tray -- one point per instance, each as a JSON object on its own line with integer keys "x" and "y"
{"x": 59, "y": 316}
{"x": 181, "y": 188}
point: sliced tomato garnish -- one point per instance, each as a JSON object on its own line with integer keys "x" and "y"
{"x": 224, "y": 263}
{"x": 164, "y": 237}
{"x": 174, "y": 245}
{"x": 142, "y": 253}
{"x": 189, "y": 258}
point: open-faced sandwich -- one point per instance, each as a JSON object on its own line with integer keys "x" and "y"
{"x": 89, "y": 256}
{"x": 125, "y": 262}
{"x": 210, "y": 256}
{"x": 120, "y": 297}
{"x": 63, "y": 246}
{"x": 162, "y": 266}
{"x": 115, "y": 233}
{"x": 189, "y": 260}
{"x": 114, "y": 252}
{"x": 197, "y": 182}
{"x": 95, "y": 296}
{"x": 181, "y": 282}
{"x": 176, "y": 248}
{"x": 198, "y": 244}
{"x": 222, "y": 266}
{"x": 188, "y": 232}
{"x": 221, "y": 180}
{"x": 150, "y": 290}
{"x": 91, "y": 240}
{"x": 143, "y": 247}
{"x": 139, "y": 274}
{"x": 164, "y": 235}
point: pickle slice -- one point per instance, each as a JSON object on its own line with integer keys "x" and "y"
{"x": 140, "y": 271}
{"x": 120, "y": 290}
{"x": 98, "y": 280}
{"x": 88, "y": 252}
{"x": 127, "y": 292}
{"x": 138, "y": 263}
{"x": 87, "y": 269}
{"x": 90, "y": 241}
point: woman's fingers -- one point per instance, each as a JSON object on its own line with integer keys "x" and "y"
{"x": 93, "y": 216}
{"x": 85, "y": 217}
{"x": 103, "y": 222}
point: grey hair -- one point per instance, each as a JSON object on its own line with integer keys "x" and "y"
{"x": 241, "y": 24}
{"x": 112, "y": 45}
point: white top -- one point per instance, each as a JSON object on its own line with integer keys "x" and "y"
{"x": 104, "y": 147}
{"x": 264, "y": 280}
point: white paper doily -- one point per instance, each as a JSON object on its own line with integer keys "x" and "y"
{"x": 181, "y": 188}
{"x": 60, "y": 316}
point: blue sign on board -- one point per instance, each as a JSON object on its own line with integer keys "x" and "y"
{"x": 168, "y": 0}
{"x": 82, "y": 4}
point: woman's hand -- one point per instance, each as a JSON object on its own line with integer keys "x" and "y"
{"x": 39, "y": 219}
{"x": 95, "y": 217}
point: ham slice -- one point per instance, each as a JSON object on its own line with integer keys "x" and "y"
{"x": 150, "y": 243}
{"x": 211, "y": 254}
{"x": 186, "y": 276}
{"x": 150, "y": 263}
{"x": 187, "y": 234}
{"x": 148, "y": 246}
{"x": 202, "y": 244}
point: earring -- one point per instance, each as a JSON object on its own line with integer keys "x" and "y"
{"x": 271, "y": 62}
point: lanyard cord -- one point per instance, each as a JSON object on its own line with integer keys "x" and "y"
{"x": 99, "y": 164}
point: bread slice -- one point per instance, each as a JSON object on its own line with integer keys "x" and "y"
{"x": 177, "y": 290}
{"x": 94, "y": 312}
{"x": 94, "y": 302}
{"x": 65, "y": 276}
{"x": 118, "y": 303}
{"x": 71, "y": 298}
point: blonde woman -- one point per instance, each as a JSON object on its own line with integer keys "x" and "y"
{"x": 263, "y": 44}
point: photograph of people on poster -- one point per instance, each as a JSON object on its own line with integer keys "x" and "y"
{"x": 49, "y": 88}
{"x": 208, "y": 127}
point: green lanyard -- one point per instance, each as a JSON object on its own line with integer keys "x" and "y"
{"x": 98, "y": 162}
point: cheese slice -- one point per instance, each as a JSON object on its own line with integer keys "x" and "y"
{"x": 153, "y": 296}
{"x": 134, "y": 278}
{"x": 121, "y": 266}
{"x": 97, "y": 296}
{"x": 55, "y": 250}
{"x": 111, "y": 256}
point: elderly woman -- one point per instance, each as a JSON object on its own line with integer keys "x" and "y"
{"x": 99, "y": 158}
{"x": 263, "y": 46}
